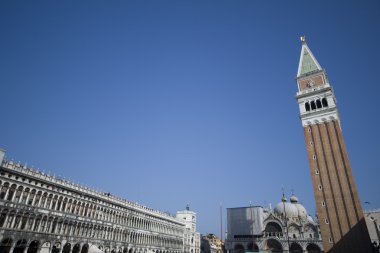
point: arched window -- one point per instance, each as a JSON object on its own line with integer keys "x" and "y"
{"x": 54, "y": 202}
{"x": 4, "y": 190}
{"x": 2, "y": 217}
{"x": 31, "y": 197}
{"x": 24, "y": 220}
{"x": 48, "y": 202}
{"x": 73, "y": 207}
{"x": 319, "y": 104}
{"x": 37, "y": 223}
{"x": 43, "y": 224}
{"x": 59, "y": 203}
{"x": 25, "y": 195}
{"x": 11, "y": 192}
{"x": 10, "y": 219}
{"x": 17, "y": 221}
{"x": 307, "y": 106}
{"x": 64, "y": 204}
{"x": 37, "y": 198}
{"x": 30, "y": 222}
{"x": 313, "y": 107}
{"x": 18, "y": 194}
{"x": 324, "y": 102}
{"x": 43, "y": 199}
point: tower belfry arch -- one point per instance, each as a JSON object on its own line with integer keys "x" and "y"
{"x": 339, "y": 209}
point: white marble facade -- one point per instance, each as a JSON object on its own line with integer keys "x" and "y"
{"x": 40, "y": 213}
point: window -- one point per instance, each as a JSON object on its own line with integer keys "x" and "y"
{"x": 309, "y": 129}
{"x": 320, "y": 187}
{"x": 313, "y": 107}
{"x": 314, "y": 157}
{"x": 330, "y": 240}
{"x": 317, "y": 172}
{"x": 323, "y": 203}
{"x": 311, "y": 143}
{"x": 307, "y": 106}
{"x": 327, "y": 221}
{"x": 4, "y": 190}
{"x": 319, "y": 104}
{"x": 11, "y": 192}
{"x": 324, "y": 102}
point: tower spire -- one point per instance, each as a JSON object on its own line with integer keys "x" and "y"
{"x": 308, "y": 64}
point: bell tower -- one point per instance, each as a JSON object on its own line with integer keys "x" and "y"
{"x": 338, "y": 205}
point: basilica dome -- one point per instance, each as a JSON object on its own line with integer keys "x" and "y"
{"x": 287, "y": 209}
{"x": 292, "y": 209}
{"x": 302, "y": 213}
{"x": 310, "y": 219}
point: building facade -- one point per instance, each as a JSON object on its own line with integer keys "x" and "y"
{"x": 40, "y": 213}
{"x": 338, "y": 205}
{"x": 286, "y": 228}
{"x": 372, "y": 218}
{"x": 211, "y": 244}
{"x": 192, "y": 239}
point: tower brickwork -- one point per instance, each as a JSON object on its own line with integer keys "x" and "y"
{"x": 338, "y": 205}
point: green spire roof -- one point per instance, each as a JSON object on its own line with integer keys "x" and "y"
{"x": 308, "y": 63}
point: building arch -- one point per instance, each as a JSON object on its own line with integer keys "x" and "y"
{"x": 307, "y": 106}
{"x": 252, "y": 247}
{"x": 45, "y": 247}
{"x": 11, "y": 192}
{"x": 295, "y": 248}
{"x": 85, "y": 248}
{"x": 272, "y": 228}
{"x": 239, "y": 248}
{"x": 56, "y": 247}
{"x": 76, "y": 248}
{"x": 66, "y": 248}
{"x": 18, "y": 194}
{"x": 4, "y": 190}
{"x": 33, "y": 246}
{"x": 3, "y": 216}
{"x": 37, "y": 198}
{"x": 272, "y": 245}
{"x": 319, "y": 104}
{"x": 20, "y": 246}
{"x": 324, "y": 102}
{"x": 313, "y": 248}
{"x": 6, "y": 245}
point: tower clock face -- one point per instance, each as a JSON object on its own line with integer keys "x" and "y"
{"x": 310, "y": 83}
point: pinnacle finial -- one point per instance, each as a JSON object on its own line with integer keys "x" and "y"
{"x": 283, "y": 199}
{"x": 303, "y": 39}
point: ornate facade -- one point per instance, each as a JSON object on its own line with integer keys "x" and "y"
{"x": 286, "y": 228}
{"x": 40, "y": 213}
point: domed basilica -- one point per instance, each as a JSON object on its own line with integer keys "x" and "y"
{"x": 286, "y": 228}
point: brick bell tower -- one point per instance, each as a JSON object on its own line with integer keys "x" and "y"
{"x": 338, "y": 205}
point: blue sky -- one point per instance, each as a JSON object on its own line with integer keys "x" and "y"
{"x": 175, "y": 102}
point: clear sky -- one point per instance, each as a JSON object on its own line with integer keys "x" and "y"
{"x": 175, "y": 102}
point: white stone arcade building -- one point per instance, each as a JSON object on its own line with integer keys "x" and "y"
{"x": 40, "y": 213}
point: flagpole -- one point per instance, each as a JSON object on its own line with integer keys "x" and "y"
{"x": 221, "y": 226}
